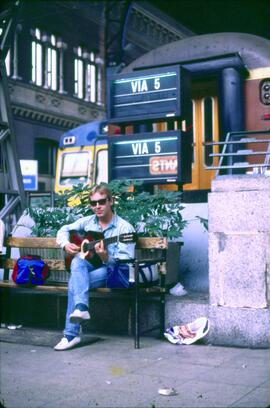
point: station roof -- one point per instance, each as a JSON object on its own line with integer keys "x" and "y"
{"x": 215, "y": 16}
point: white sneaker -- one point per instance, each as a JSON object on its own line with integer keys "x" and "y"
{"x": 78, "y": 316}
{"x": 64, "y": 344}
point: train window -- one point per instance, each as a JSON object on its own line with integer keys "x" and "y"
{"x": 208, "y": 106}
{"x": 104, "y": 128}
{"x": 75, "y": 168}
{"x": 102, "y": 166}
{"x": 154, "y": 127}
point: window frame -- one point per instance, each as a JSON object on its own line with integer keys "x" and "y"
{"x": 51, "y": 147}
{"x": 86, "y": 76}
{"x": 37, "y": 59}
{"x": 47, "y": 60}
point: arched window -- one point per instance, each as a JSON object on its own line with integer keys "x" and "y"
{"x": 11, "y": 60}
{"x": 7, "y": 59}
{"x": 86, "y": 76}
{"x": 52, "y": 64}
{"x": 36, "y": 57}
{"x": 47, "y": 60}
{"x": 78, "y": 74}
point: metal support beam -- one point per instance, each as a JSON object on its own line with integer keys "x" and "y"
{"x": 11, "y": 183}
{"x": 116, "y": 19}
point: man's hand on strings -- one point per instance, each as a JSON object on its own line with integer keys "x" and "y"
{"x": 101, "y": 251}
{"x": 72, "y": 249}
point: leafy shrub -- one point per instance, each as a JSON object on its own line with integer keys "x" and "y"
{"x": 49, "y": 220}
{"x": 157, "y": 214}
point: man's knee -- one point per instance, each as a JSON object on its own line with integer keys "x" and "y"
{"x": 77, "y": 263}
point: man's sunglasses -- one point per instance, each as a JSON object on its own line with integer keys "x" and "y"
{"x": 102, "y": 201}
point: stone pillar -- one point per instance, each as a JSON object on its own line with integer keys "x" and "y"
{"x": 239, "y": 259}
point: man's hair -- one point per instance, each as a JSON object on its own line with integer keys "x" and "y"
{"x": 102, "y": 189}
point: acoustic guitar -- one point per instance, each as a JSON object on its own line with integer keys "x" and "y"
{"x": 87, "y": 241}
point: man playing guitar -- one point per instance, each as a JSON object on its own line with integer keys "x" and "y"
{"x": 87, "y": 274}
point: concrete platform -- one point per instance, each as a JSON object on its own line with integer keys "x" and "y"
{"x": 106, "y": 371}
{"x": 241, "y": 327}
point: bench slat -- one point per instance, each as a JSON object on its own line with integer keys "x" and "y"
{"x": 37, "y": 242}
{"x": 49, "y": 288}
{"x": 55, "y": 288}
{"x": 32, "y": 242}
{"x": 53, "y": 264}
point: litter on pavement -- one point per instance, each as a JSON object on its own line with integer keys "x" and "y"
{"x": 178, "y": 290}
{"x": 188, "y": 333}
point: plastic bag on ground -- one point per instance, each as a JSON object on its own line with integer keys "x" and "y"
{"x": 189, "y": 333}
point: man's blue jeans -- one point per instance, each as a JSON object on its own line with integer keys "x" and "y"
{"x": 83, "y": 277}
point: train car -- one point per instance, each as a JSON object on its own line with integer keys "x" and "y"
{"x": 82, "y": 156}
{"x": 230, "y": 92}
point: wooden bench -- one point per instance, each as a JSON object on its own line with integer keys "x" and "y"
{"x": 152, "y": 250}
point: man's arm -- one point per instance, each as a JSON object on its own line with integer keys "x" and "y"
{"x": 62, "y": 237}
{"x": 124, "y": 251}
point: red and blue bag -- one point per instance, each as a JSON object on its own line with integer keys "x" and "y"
{"x": 30, "y": 270}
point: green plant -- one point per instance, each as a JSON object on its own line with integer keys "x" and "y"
{"x": 157, "y": 214}
{"x": 49, "y": 220}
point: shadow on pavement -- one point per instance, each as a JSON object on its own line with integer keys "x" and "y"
{"x": 35, "y": 337}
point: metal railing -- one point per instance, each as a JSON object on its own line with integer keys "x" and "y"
{"x": 242, "y": 152}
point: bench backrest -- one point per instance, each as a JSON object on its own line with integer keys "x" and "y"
{"x": 47, "y": 248}
{"x": 147, "y": 249}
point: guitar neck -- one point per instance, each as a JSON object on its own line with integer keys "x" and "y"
{"x": 107, "y": 241}
{"x": 110, "y": 240}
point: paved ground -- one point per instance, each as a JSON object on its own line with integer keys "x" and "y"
{"x": 106, "y": 371}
